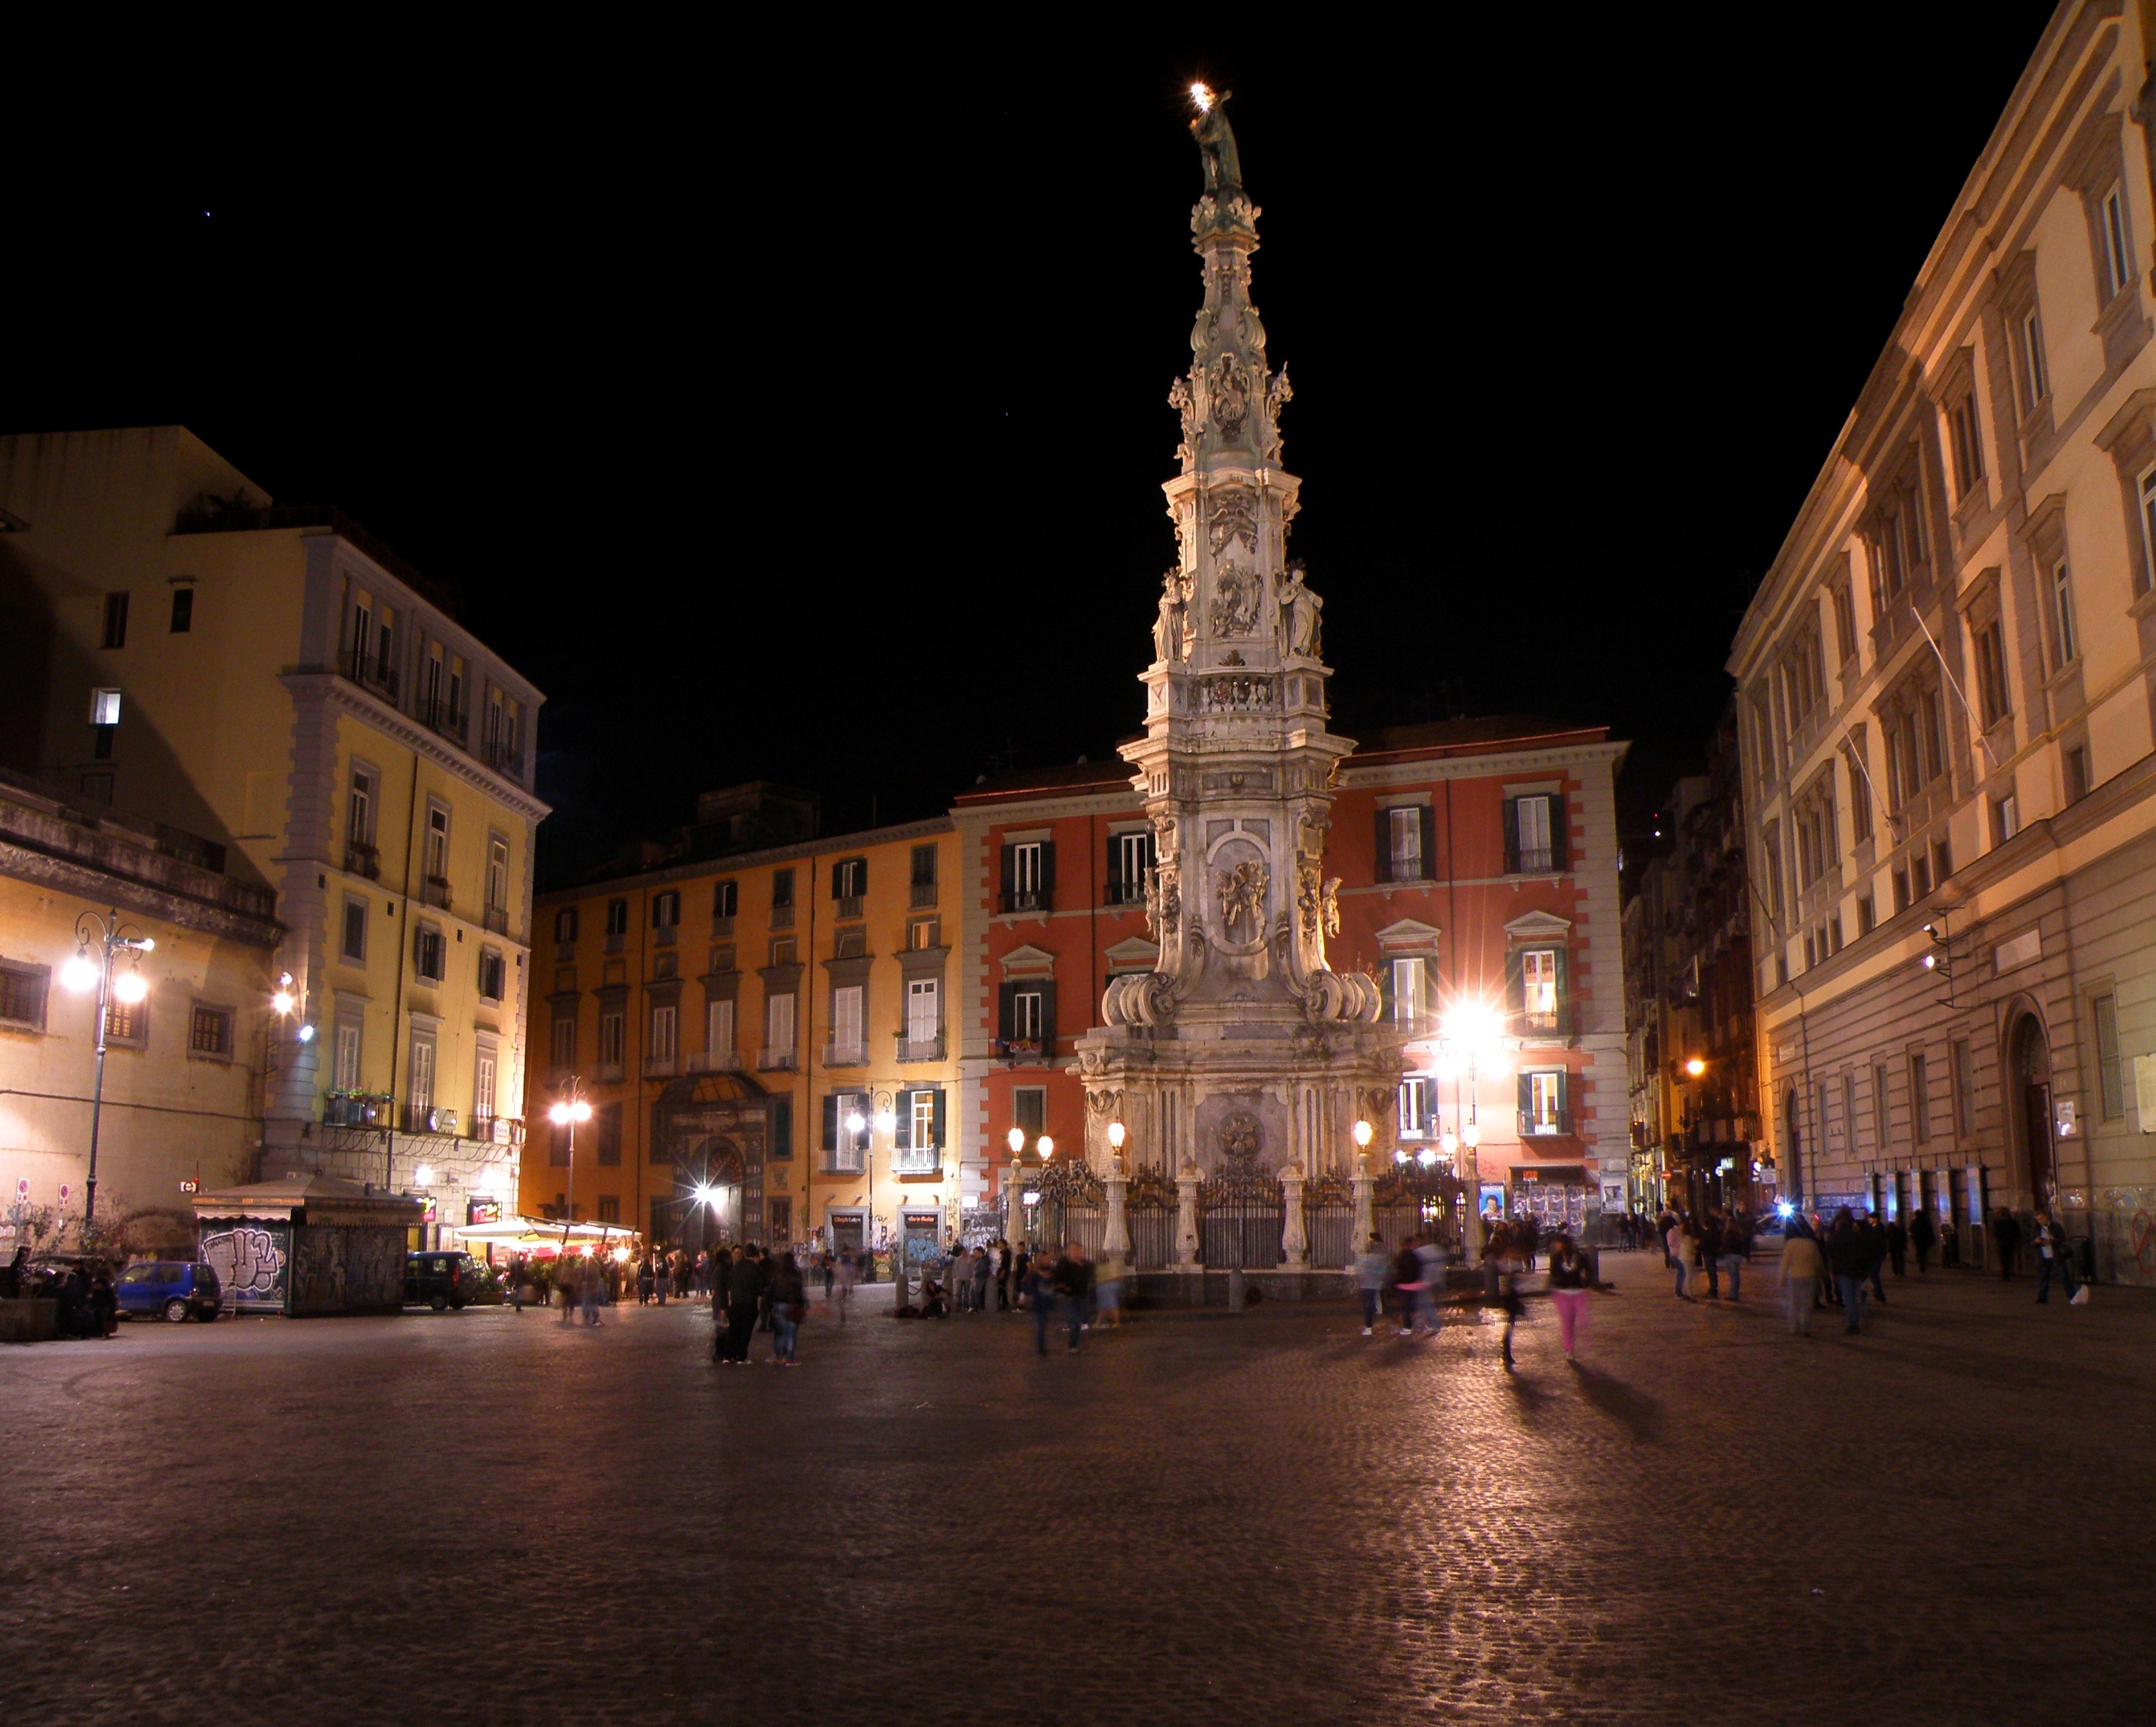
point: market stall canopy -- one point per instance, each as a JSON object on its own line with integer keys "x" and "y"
{"x": 539, "y": 1233}
{"x": 312, "y": 1199}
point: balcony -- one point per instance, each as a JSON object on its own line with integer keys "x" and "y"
{"x": 723, "y": 926}
{"x": 1017, "y": 1049}
{"x": 503, "y": 756}
{"x": 1126, "y": 893}
{"x": 427, "y": 1118}
{"x": 845, "y": 1054}
{"x": 362, "y": 860}
{"x": 369, "y": 672}
{"x": 715, "y": 1062}
{"x": 610, "y": 1073}
{"x": 782, "y": 917}
{"x": 357, "y": 1109}
{"x": 497, "y": 1129}
{"x": 1531, "y": 860}
{"x": 776, "y": 1061}
{"x": 659, "y": 1067}
{"x": 437, "y": 714}
{"x": 495, "y": 918}
{"x": 919, "y": 1049}
{"x": 850, "y": 905}
{"x": 923, "y": 895}
{"x": 1549, "y": 1126}
{"x": 662, "y": 935}
{"x": 1030, "y": 899}
{"x": 617, "y": 941}
{"x": 842, "y": 1162}
{"x": 917, "y": 1162}
{"x": 436, "y": 892}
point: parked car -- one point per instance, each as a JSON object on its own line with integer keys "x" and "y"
{"x": 173, "y": 1289}
{"x": 441, "y": 1280}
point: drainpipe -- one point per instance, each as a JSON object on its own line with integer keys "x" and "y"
{"x": 396, "y": 1002}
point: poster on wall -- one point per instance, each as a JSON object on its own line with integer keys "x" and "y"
{"x": 482, "y": 1211}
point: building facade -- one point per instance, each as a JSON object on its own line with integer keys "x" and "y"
{"x": 1946, "y": 681}
{"x": 802, "y": 1076}
{"x": 185, "y": 1066}
{"x": 282, "y": 701}
{"x": 1476, "y": 865}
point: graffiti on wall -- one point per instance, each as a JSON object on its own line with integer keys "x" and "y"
{"x": 249, "y": 1260}
{"x": 318, "y": 1272}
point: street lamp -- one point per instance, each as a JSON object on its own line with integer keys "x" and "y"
{"x": 567, "y": 1113}
{"x": 1116, "y": 1133}
{"x": 130, "y": 986}
{"x": 1046, "y": 1147}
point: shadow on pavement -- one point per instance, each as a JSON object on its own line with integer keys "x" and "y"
{"x": 1638, "y": 1414}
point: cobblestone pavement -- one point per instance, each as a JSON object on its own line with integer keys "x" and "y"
{"x": 483, "y": 1517}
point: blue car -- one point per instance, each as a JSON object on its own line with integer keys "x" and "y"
{"x": 170, "y": 1289}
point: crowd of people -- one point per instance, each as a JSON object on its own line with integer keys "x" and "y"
{"x": 85, "y": 1301}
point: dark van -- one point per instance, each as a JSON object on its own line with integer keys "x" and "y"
{"x": 441, "y": 1280}
{"x": 171, "y": 1288}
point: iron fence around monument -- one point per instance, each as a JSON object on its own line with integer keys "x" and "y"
{"x": 1328, "y": 1220}
{"x": 1149, "y": 1210}
{"x": 1072, "y": 1208}
{"x": 1241, "y": 1215}
{"x": 1406, "y": 1202}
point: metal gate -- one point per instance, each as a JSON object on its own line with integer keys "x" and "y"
{"x": 1241, "y": 1216}
{"x": 1409, "y": 1200}
{"x": 1072, "y": 1208}
{"x": 1328, "y": 1220}
{"x": 1150, "y": 1205}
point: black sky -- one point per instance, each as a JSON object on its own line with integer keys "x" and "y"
{"x": 795, "y": 409}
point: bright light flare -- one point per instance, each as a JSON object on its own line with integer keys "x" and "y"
{"x": 887, "y": 1121}
{"x": 1202, "y": 98}
{"x": 1695, "y": 1068}
{"x": 1047, "y": 1148}
{"x": 1786, "y": 1209}
{"x": 1364, "y": 1132}
{"x": 1016, "y": 1140}
{"x": 1426, "y": 1158}
{"x": 1473, "y": 1025}
{"x": 423, "y": 1176}
{"x": 79, "y": 973}
{"x": 563, "y": 1113}
{"x": 131, "y": 987}
{"x": 705, "y": 1195}
{"x": 621, "y": 1255}
{"x": 1115, "y": 1134}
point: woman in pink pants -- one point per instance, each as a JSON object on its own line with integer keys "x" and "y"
{"x": 1568, "y": 1274}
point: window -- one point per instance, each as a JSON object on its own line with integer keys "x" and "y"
{"x": 1881, "y": 1120}
{"x": 438, "y": 843}
{"x": 497, "y": 873}
{"x": 848, "y": 1045}
{"x": 2062, "y": 617}
{"x": 782, "y": 1126}
{"x": 1920, "y": 876}
{"x": 115, "y": 621}
{"x": 565, "y": 1044}
{"x": 921, "y": 876}
{"x": 484, "y": 1064}
{"x": 1867, "y": 915}
{"x": 2147, "y": 488}
{"x": 613, "y": 1038}
{"x": 1028, "y": 875}
{"x": 1418, "y": 1109}
{"x": 428, "y": 954}
{"x": 778, "y": 1025}
{"x": 344, "y": 1069}
{"x": 609, "y": 1203}
{"x": 1534, "y": 835}
{"x": 1942, "y": 860}
{"x": 2076, "y": 763}
{"x": 1900, "y": 880}
{"x": 917, "y": 1139}
{"x": 1991, "y": 674}
{"x": 617, "y": 916}
{"x": 22, "y": 996}
{"x": 2110, "y": 1090}
{"x": 1404, "y": 843}
{"x": 665, "y": 1027}
{"x": 209, "y": 1031}
{"x": 843, "y": 1144}
{"x": 1025, "y": 1016}
{"x": 1959, "y": 1060}
{"x": 2036, "y": 377}
{"x": 849, "y": 882}
{"x": 104, "y": 708}
{"x": 1848, "y": 1113}
{"x": 725, "y": 897}
{"x": 2117, "y": 251}
{"x": 1968, "y": 445}
{"x": 565, "y": 925}
{"x": 1029, "y": 1110}
{"x": 492, "y": 974}
{"x": 359, "y": 809}
{"x": 719, "y": 1030}
{"x": 606, "y": 1123}
{"x": 126, "y": 1021}
{"x": 1860, "y": 796}
{"x": 1542, "y": 1103}
{"x": 183, "y": 609}
{"x": 1844, "y": 621}
{"x": 354, "y": 945}
{"x": 923, "y": 1011}
{"x": 1129, "y": 858}
{"x": 1538, "y": 989}
{"x": 2006, "y": 819}
{"x": 1920, "y": 1099}
{"x": 782, "y": 890}
{"x": 665, "y": 909}
{"x": 1409, "y": 980}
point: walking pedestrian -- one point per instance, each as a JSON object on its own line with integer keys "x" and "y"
{"x": 1897, "y": 1244}
{"x": 1107, "y": 1292}
{"x": 788, "y": 1301}
{"x": 1666, "y": 1220}
{"x": 1037, "y": 1292}
{"x": 1506, "y": 1264}
{"x": 1735, "y": 1249}
{"x": 2052, "y": 1252}
{"x": 1875, "y": 1255}
{"x": 2006, "y": 1234}
{"x": 645, "y": 1282}
{"x": 744, "y": 1294}
{"x": 1407, "y": 1279}
{"x": 1371, "y": 1265}
{"x": 565, "y": 1285}
{"x": 845, "y": 1275}
{"x": 1074, "y": 1285}
{"x": 1849, "y": 1259}
{"x": 1801, "y": 1265}
{"x": 1568, "y": 1286}
{"x": 1923, "y": 1231}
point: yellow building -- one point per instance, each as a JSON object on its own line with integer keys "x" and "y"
{"x": 769, "y": 1025}
{"x": 181, "y": 1095}
{"x": 280, "y": 700}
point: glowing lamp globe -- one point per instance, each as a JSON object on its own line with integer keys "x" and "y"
{"x": 79, "y": 973}
{"x": 855, "y": 1121}
{"x": 1047, "y": 1148}
{"x": 1471, "y": 1136}
{"x": 1016, "y": 1140}
{"x": 1364, "y": 1132}
{"x": 130, "y": 986}
{"x": 1115, "y": 1134}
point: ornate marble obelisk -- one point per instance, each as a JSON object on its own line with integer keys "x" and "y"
{"x": 1240, "y": 1052}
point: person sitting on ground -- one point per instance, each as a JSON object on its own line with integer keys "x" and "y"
{"x": 932, "y": 1305}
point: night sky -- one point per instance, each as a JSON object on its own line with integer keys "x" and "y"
{"x": 797, "y": 411}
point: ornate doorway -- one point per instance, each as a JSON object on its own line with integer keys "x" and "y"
{"x": 2028, "y": 1105}
{"x": 716, "y": 1166}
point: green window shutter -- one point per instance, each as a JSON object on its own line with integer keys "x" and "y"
{"x": 838, "y": 881}
{"x": 831, "y": 1121}
{"x": 1515, "y": 988}
{"x": 1114, "y": 874}
{"x": 1512, "y": 836}
{"x": 1564, "y": 1102}
{"x": 1047, "y": 875}
{"x": 1526, "y": 1104}
{"x": 1428, "y": 817}
{"x": 1010, "y": 881}
{"x": 782, "y": 1126}
{"x": 940, "y": 1139}
{"x": 861, "y": 874}
{"x": 1563, "y": 992}
{"x": 1048, "y": 1016}
{"x": 1382, "y": 869}
{"x": 1006, "y": 1001}
{"x": 901, "y": 1138}
{"x": 1385, "y": 991}
{"x": 1559, "y": 849}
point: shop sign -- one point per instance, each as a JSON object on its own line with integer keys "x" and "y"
{"x": 483, "y": 1211}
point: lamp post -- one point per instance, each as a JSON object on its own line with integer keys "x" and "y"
{"x": 885, "y": 1120}
{"x": 567, "y": 1113}
{"x": 112, "y": 937}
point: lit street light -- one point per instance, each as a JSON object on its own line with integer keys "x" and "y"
{"x": 130, "y": 986}
{"x": 567, "y": 1113}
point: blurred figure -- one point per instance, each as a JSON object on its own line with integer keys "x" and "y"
{"x": 1371, "y": 1266}
{"x": 1801, "y": 1265}
{"x": 1568, "y": 1291}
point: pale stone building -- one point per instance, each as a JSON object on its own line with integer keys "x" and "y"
{"x": 1947, "y": 680}
{"x": 280, "y": 699}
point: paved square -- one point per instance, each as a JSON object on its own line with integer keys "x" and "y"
{"x": 483, "y": 1517}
